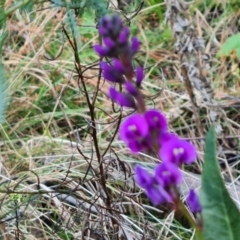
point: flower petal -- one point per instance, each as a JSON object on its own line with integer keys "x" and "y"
{"x": 131, "y": 88}
{"x": 111, "y": 74}
{"x": 135, "y": 45}
{"x": 155, "y": 196}
{"x": 100, "y": 50}
{"x": 133, "y": 127}
{"x": 156, "y": 120}
{"x": 178, "y": 151}
{"x": 123, "y": 37}
{"x": 143, "y": 177}
{"x": 139, "y": 75}
{"x": 168, "y": 174}
{"x": 193, "y": 202}
{"x": 124, "y": 100}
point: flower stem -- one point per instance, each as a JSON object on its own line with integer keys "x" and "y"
{"x": 182, "y": 208}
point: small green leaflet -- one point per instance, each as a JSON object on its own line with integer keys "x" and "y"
{"x": 232, "y": 44}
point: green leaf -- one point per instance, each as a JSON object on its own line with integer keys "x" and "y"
{"x": 221, "y": 217}
{"x": 3, "y": 94}
{"x": 2, "y": 14}
{"x": 3, "y": 80}
{"x": 232, "y": 44}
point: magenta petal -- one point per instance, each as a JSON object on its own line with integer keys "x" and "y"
{"x": 178, "y": 151}
{"x": 143, "y": 177}
{"x": 156, "y": 120}
{"x": 168, "y": 174}
{"x": 190, "y": 153}
{"x": 135, "y": 146}
{"x": 104, "y": 65}
{"x": 133, "y": 127}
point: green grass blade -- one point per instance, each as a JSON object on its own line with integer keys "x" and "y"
{"x": 2, "y": 14}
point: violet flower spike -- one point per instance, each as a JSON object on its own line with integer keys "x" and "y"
{"x": 193, "y": 202}
{"x": 110, "y": 26}
{"x": 178, "y": 151}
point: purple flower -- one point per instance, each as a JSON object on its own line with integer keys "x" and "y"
{"x": 110, "y": 26}
{"x": 131, "y": 88}
{"x": 143, "y": 177}
{"x": 134, "y": 132}
{"x": 178, "y": 151}
{"x": 116, "y": 41}
{"x": 156, "y": 193}
{"x": 123, "y": 37}
{"x": 123, "y": 99}
{"x": 134, "y": 126}
{"x": 135, "y": 45}
{"x": 156, "y": 121}
{"x": 140, "y": 144}
{"x": 112, "y": 73}
{"x": 193, "y": 202}
{"x": 118, "y": 66}
{"x": 102, "y": 51}
{"x": 109, "y": 43}
{"x": 168, "y": 174}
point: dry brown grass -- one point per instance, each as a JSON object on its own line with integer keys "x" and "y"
{"x": 47, "y": 121}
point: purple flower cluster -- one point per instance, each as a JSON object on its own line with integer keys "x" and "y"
{"x": 140, "y": 132}
{"x": 118, "y": 47}
{"x": 146, "y": 130}
{"x": 115, "y": 37}
{"x": 143, "y": 131}
{"x": 159, "y": 186}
